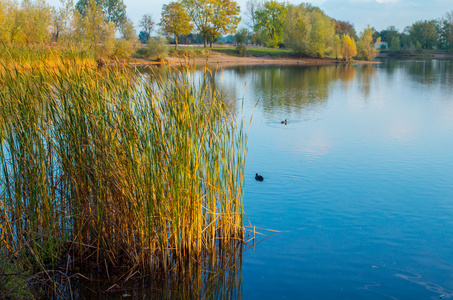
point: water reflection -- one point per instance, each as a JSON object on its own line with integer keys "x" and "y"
{"x": 365, "y": 80}
{"x": 216, "y": 277}
{"x": 426, "y": 72}
{"x": 364, "y": 165}
{"x": 292, "y": 88}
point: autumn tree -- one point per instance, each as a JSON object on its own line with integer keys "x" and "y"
{"x": 128, "y": 31}
{"x": 336, "y": 45}
{"x": 63, "y": 21}
{"x": 321, "y": 33}
{"x": 127, "y": 44}
{"x": 31, "y": 23}
{"x": 270, "y": 22}
{"x": 348, "y": 47}
{"x": 308, "y": 31}
{"x": 297, "y": 29}
{"x": 213, "y": 17}
{"x": 225, "y": 19}
{"x": 147, "y": 24}
{"x": 344, "y": 27}
{"x": 366, "y": 44}
{"x": 175, "y": 21}
{"x": 93, "y": 31}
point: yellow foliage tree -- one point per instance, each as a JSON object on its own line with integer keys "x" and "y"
{"x": 175, "y": 21}
{"x": 7, "y": 15}
{"x": 366, "y": 44}
{"x": 321, "y": 34}
{"x": 348, "y": 47}
{"x": 213, "y": 17}
{"x": 31, "y": 23}
{"x": 93, "y": 31}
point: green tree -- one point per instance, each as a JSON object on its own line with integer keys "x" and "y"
{"x": 366, "y": 44}
{"x": 321, "y": 33}
{"x": 348, "y": 47}
{"x": 213, "y": 17}
{"x": 242, "y": 36}
{"x": 297, "y": 29}
{"x": 112, "y": 10}
{"x": 8, "y": 11}
{"x": 93, "y": 31}
{"x": 391, "y": 36}
{"x": 336, "y": 45}
{"x": 175, "y": 21}
{"x": 147, "y": 24}
{"x": 424, "y": 33}
{"x": 116, "y": 12}
{"x": 446, "y": 31}
{"x": 270, "y": 22}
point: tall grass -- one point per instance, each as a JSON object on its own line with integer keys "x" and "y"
{"x": 116, "y": 171}
{"x": 42, "y": 56}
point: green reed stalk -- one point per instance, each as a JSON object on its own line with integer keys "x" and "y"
{"x": 117, "y": 169}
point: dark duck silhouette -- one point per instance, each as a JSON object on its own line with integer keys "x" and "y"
{"x": 284, "y": 122}
{"x": 259, "y": 177}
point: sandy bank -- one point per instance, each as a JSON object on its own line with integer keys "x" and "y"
{"x": 223, "y": 60}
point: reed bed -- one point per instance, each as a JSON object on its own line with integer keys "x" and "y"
{"x": 117, "y": 172}
{"x": 42, "y": 56}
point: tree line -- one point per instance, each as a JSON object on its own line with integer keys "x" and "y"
{"x": 95, "y": 25}
{"x": 89, "y": 24}
{"x": 423, "y": 34}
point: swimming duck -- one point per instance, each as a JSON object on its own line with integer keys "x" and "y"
{"x": 259, "y": 177}
{"x": 284, "y": 122}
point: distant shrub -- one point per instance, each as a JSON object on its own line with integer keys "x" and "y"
{"x": 123, "y": 49}
{"x": 158, "y": 48}
{"x": 141, "y": 52}
{"x": 240, "y": 49}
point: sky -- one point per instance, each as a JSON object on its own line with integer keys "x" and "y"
{"x": 379, "y": 14}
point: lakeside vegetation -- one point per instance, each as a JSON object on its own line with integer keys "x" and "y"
{"x": 118, "y": 172}
{"x": 114, "y": 172}
{"x": 92, "y": 27}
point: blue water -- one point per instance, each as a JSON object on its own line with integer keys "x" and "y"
{"x": 359, "y": 183}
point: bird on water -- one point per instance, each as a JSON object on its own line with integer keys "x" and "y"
{"x": 259, "y": 177}
{"x": 284, "y": 122}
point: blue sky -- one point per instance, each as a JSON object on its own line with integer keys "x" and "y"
{"x": 378, "y": 13}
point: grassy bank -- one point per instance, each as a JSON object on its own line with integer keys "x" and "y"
{"x": 422, "y": 53}
{"x": 257, "y": 52}
{"x": 115, "y": 172}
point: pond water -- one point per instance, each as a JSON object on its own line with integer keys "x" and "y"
{"x": 359, "y": 183}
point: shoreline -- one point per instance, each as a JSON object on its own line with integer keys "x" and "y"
{"x": 225, "y": 60}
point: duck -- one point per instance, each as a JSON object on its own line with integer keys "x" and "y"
{"x": 284, "y": 122}
{"x": 259, "y": 177}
